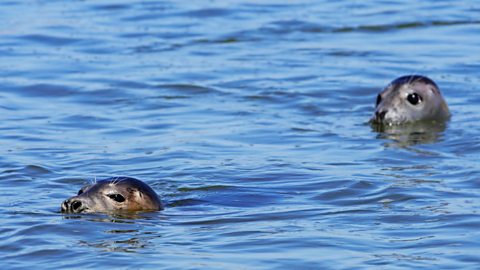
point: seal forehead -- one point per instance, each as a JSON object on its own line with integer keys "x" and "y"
{"x": 405, "y": 84}
{"x": 410, "y": 79}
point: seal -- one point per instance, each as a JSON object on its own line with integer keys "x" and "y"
{"x": 116, "y": 194}
{"x": 410, "y": 98}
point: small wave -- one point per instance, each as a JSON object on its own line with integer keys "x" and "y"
{"x": 50, "y": 40}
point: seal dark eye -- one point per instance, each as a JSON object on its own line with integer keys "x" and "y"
{"x": 117, "y": 197}
{"x": 379, "y": 99}
{"x": 414, "y": 98}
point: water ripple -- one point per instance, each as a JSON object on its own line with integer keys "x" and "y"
{"x": 249, "y": 120}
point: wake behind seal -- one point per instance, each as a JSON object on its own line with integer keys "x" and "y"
{"x": 117, "y": 194}
{"x": 410, "y": 98}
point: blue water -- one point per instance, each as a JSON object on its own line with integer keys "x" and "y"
{"x": 249, "y": 119}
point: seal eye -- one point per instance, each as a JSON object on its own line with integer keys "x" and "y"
{"x": 117, "y": 197}
{"x": 379, "y": 99}
{"x": 414, "y": 98}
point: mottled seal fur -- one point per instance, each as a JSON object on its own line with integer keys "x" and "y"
{"x": 410, "y": 98}
{"x": 118, "y": 194}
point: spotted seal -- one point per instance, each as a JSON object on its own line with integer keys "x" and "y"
{"x": 410, "y": 98}
{"x": 124, "y": 194}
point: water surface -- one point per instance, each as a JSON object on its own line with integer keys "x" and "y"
{"x": 249, "y": 119}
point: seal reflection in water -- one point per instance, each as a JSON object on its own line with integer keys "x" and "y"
{"x": 124, "y": 194}
{"x": 410, "y": 98}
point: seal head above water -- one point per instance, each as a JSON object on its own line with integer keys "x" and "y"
{"x": 410, "y": 98}
{"x": 124, "y": 194}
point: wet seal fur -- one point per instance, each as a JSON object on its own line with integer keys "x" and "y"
{"x": 117, "y": 194}
{"x": 410, "y": 98}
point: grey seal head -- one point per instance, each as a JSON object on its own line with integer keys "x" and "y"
{"x": 410, "y": 98}
{"x": 124, "y": 194}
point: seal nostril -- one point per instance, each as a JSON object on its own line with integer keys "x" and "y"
{"x": 64, "y": 207}
{"x": 76, "y": 205}
{"x": 380, "y": 115}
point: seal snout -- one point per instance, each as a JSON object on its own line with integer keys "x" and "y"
{"x": 73, "y": 206}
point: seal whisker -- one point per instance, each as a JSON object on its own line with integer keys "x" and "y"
{"x": 117, "y": 180}
{"x": 91, "y": 181}
{"x": 113, "y": 182}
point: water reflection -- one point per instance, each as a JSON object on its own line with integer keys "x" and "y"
{"x": 114, "y": 217}
{"x": 410, "y": 134}
{"x": 254, "y": 142}
{"x": 118, "y": 232}
{"x": 135, "y": 240}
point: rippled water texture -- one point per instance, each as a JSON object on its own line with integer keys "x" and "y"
{"x": 249, "y": 119}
